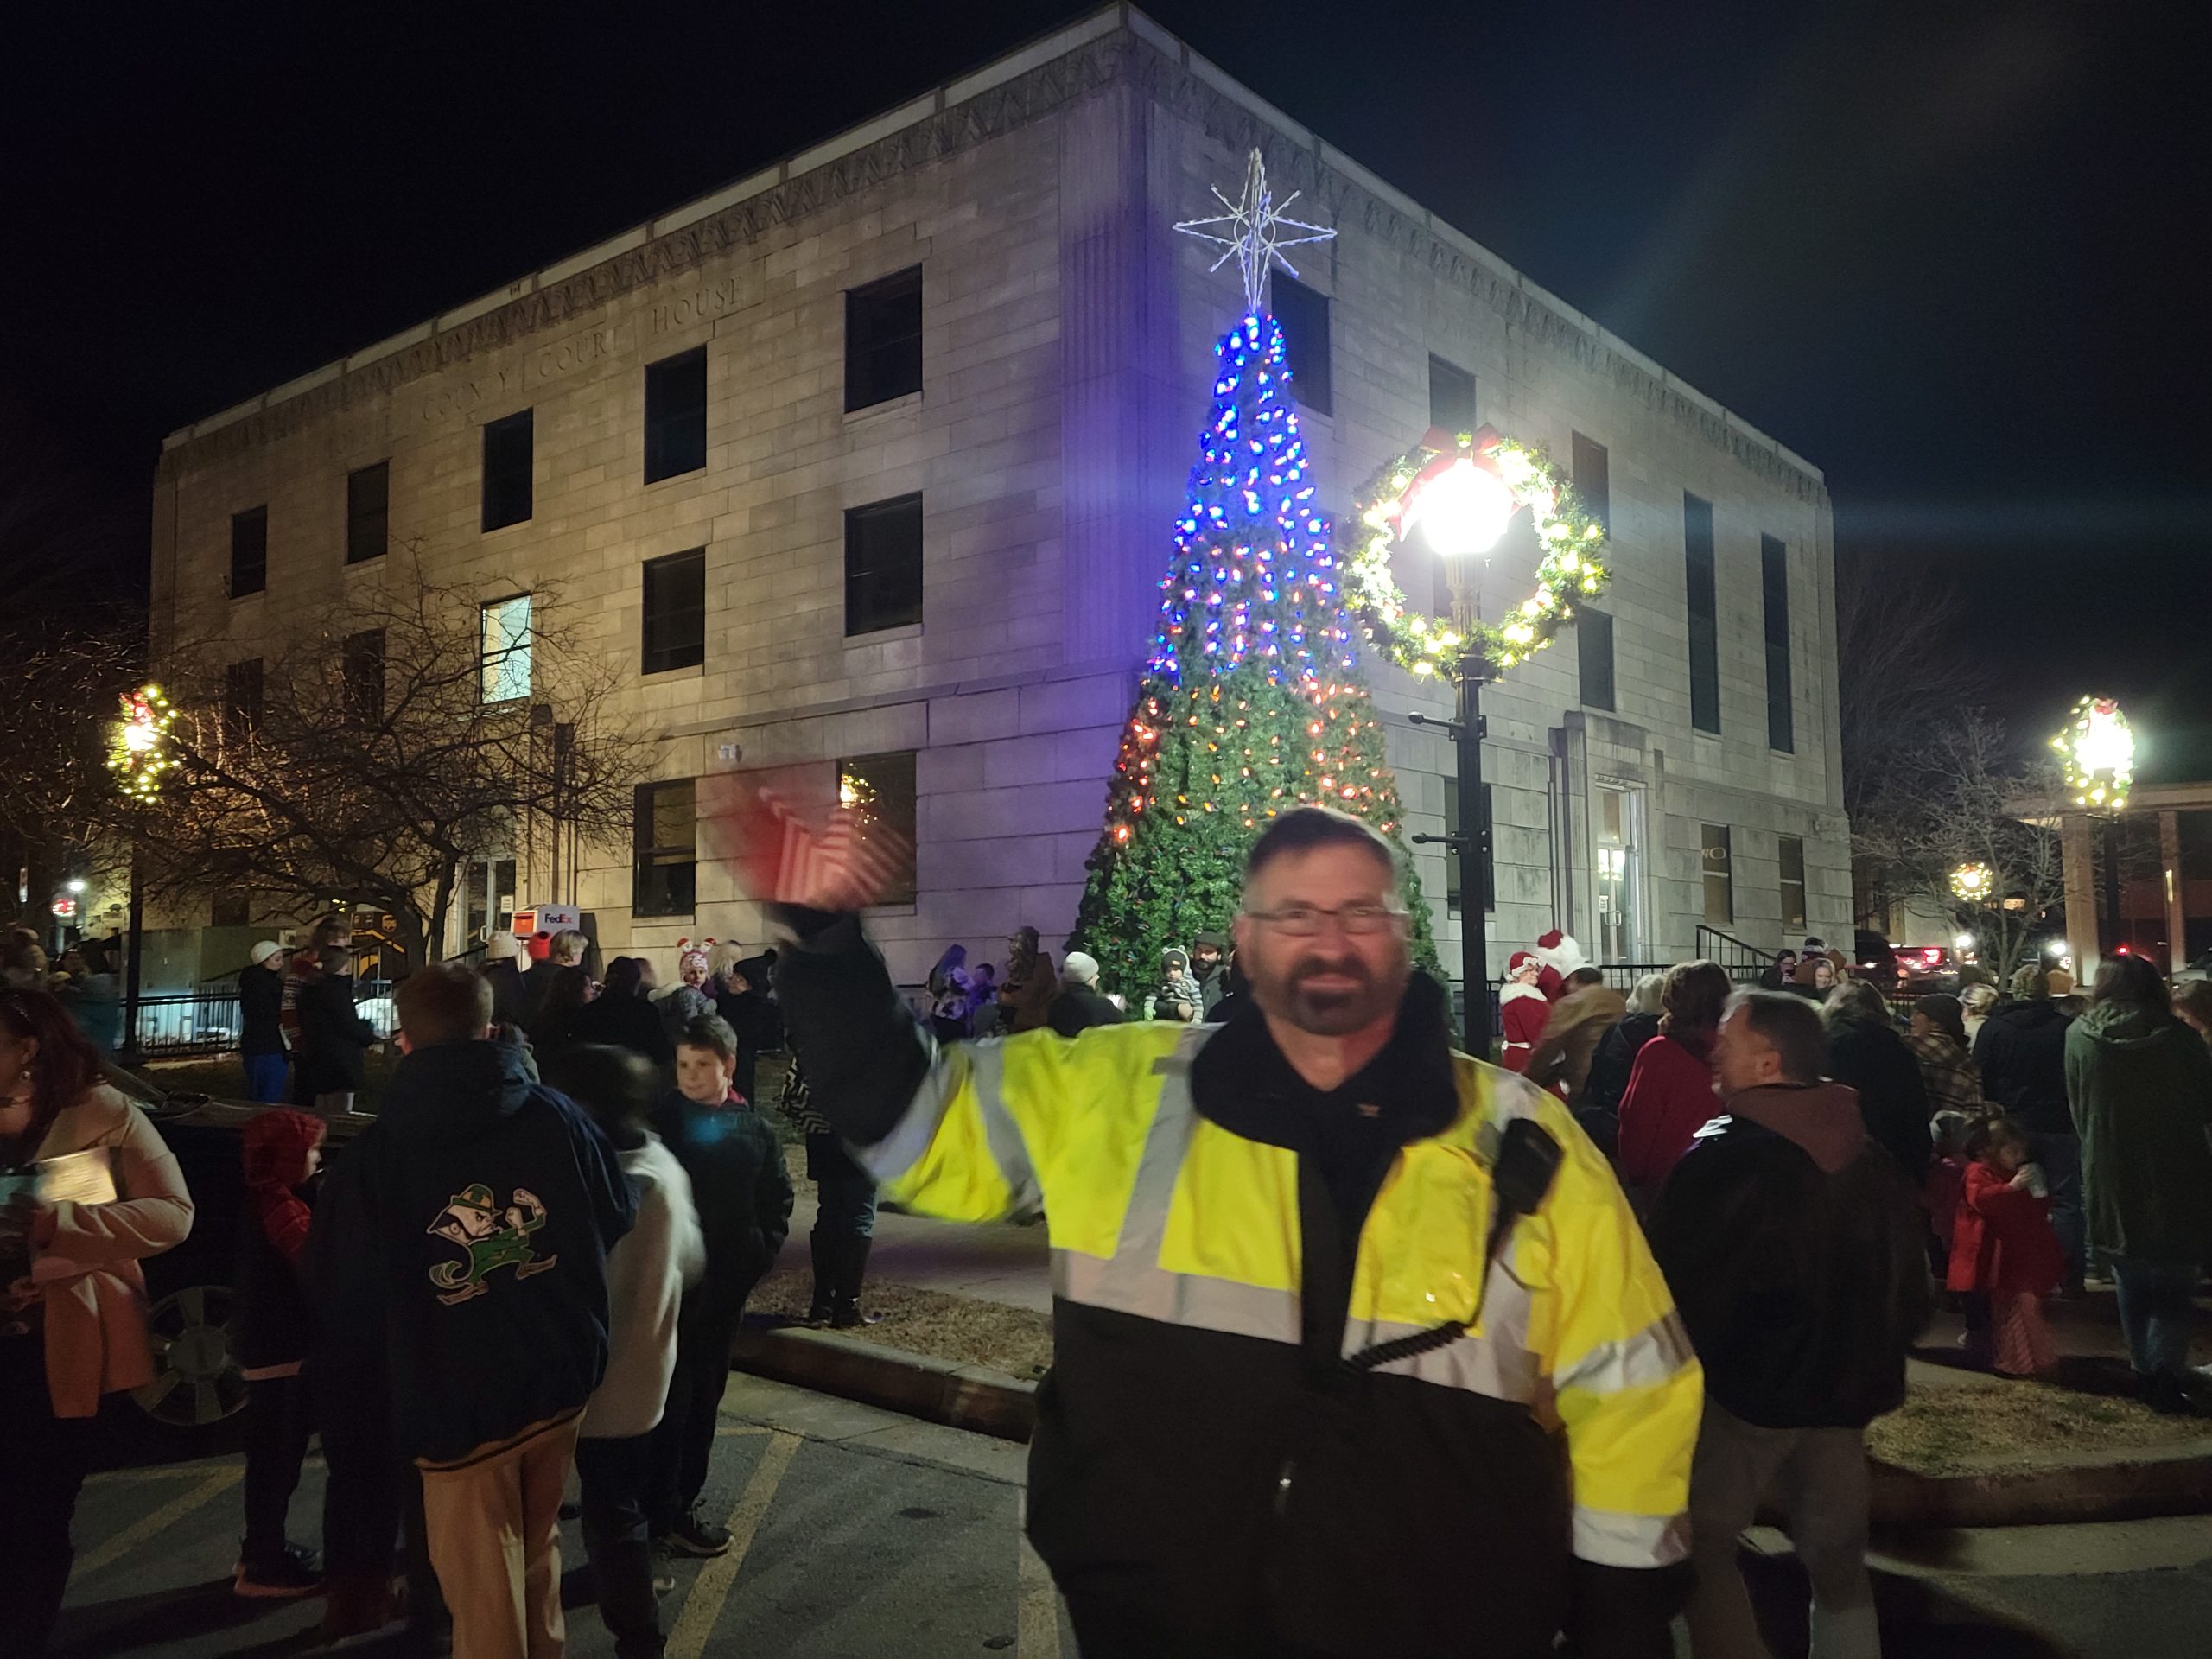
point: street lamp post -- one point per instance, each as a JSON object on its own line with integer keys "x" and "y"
{"x": 139, "y": 754}
{"x": 1464, "y": 506}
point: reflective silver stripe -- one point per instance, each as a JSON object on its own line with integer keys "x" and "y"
{"x": 1001, "y": 1133}
{"x": 1188, "y": 1299}
{"x": 1496, "y": 1362}
{"x": 1652, "y": 1355}
{"x": 1608, "y": 1538}
{"x": 894, "y": 1156}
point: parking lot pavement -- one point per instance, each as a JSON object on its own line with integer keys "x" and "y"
{"x": 861, "y": 1534}
{"x": 858, "y": 1534}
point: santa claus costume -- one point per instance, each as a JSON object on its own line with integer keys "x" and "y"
{"x": 1558, "y": 955}
{"x": 1522, "y": 1009}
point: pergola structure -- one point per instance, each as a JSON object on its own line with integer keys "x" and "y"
{"x": 2077, "y": 845}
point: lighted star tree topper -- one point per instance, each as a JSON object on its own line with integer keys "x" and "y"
{"x": 1253, "y": 701}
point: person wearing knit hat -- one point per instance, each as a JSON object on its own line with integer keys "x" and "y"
{"x": 1080, "y": 1004}
{"x": 1557, "y": 955}
{"x": 1522, "y": 1009}
{"x": 262, "y": 1048}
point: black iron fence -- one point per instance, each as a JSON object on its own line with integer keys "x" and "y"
{"x": 207, "y": 1021}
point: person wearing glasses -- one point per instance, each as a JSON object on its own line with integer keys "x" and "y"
{"x": 1335, "y": 1373}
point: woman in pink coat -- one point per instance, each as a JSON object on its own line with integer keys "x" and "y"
{"x": 73, "y": 1313}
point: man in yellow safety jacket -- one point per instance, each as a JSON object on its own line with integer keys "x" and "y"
{"x": 1350, "y": 1359}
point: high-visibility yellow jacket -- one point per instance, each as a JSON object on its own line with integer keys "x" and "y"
{"x": 1203, "y": 1458}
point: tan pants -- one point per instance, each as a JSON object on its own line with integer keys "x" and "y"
{"x": 494, "y": 1525}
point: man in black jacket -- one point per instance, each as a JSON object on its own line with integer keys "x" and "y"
{"x": 1867, "y": 1054}
{"x": 261, "y": 1025}
{"x": 469, "y": 1229}
{"x": 1794, "y": 1245}
{"x": 1080, "y": 1004}
{"x": 2021, "y": 1049}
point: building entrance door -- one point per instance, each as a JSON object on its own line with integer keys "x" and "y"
{"x": 1617, "y": 843}
{"x": 487, "y": 899}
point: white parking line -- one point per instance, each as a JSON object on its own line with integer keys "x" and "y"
{"x": 703, "y": 1606}
{"x": 152, "y": 1525}
{"x": 1037, "y": 1612}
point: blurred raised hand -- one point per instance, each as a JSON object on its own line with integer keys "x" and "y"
{"x": 847, "y": 861}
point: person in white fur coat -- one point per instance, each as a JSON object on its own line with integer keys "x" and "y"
{"x": 1522, "y": 1008}
{"x": 1558, "y": 955}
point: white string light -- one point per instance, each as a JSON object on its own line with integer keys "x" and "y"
{"x": 1255, "y": 244}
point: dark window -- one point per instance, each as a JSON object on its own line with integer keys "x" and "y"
{"x": 883, "y": 565}
{"x": 1793, "y": 881}
{"x": 880, "y": 789}
{"x": 664, "y": 874}
{"x": 230, "y": 910}
{"x": 1593, "y": 640}
{"x": 1720, "y": 875}
{"x": 506, "y": 470}
{"x": 1705, "y": 626}
{"x": 883, "y": 340}
{"x": 368, "y": 512}
{"x": 241, "y": 700}
{"x": 676, "y": 611}
{"x": 1774, "y": 584}
{"x": 1303, "y": 315}
{"x": 1452, "y": 886}
{"x": 249, "y": 551}
{"x": 364, "y": 677}
{"x": 1450, "y": 397}
{"x": 675, "y": 415}
{"x": 1594, "y": 480}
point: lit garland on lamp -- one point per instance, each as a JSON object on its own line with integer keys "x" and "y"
{"x": 138, "y": 749}
{"x": 1973, "y": 882}
{"x": 1571, "y": 566}
{"x": 2098, "y": 748}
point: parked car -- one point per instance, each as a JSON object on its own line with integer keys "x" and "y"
{"x": 198, "y": 1383}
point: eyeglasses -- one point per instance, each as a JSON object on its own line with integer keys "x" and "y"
{"x": 1304, "y": 921}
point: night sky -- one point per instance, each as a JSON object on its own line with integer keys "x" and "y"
{"x": 1950, "y": 253}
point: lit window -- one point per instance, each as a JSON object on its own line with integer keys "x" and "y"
{"x": 504, "y": 635}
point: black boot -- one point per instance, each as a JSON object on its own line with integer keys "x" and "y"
{"x": 845, "y": 1301}
{"x": 825, "y": 1251}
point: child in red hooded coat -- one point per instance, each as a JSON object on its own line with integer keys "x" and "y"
{"x": 2002, "y": 1245}
{"x": 283, "y": 1150}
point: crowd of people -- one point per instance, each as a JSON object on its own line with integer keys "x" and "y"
{"x": 524, "y": 1275}
{"x": 528, "y": 1265}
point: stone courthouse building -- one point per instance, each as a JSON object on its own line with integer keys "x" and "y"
{"x": 868, "y": 465}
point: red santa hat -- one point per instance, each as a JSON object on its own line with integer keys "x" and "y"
{"x": 1521, "y": 959}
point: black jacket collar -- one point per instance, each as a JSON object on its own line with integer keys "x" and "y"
{"x": 1241, "y": 1080}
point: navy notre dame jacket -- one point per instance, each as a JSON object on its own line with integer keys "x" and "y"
{"x": 469, "y": 1227}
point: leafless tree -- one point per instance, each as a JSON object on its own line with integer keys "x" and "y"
{"x": 380, "y": 751}
{"x": 1942, "y": 806}
{"x": 1901, "y": 673}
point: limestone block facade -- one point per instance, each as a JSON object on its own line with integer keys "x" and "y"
{"x": 1067, "y": 351}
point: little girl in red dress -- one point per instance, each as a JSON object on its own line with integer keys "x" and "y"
{"x": 2002, "y": 1246}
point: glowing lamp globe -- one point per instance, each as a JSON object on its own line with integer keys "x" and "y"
{"x": 2098, "y": 747}
{"x": 1971, "y": 882}
{"x": 1464, "y": 509}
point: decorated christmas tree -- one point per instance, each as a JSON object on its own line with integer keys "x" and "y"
{"x": 1252, "y": 701}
